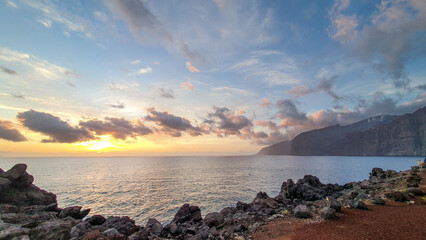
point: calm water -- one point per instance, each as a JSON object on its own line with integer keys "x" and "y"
{"x": 146, "y": 187}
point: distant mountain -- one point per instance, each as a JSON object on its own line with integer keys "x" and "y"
{"x": 377, "y": 136}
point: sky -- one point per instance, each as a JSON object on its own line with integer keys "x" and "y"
{"x": 200, "y": 77}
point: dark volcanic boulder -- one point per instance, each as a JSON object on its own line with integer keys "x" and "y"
{"x": 96, "y": 220}
{"x": 328, "y": 213}
{"x": 302, "y": 211}
{"x": 308, "y": 189}
{"x": 73, "y": 212}
{"x": 188, "y": 214}
{"x": 124, "y": 225}
{"x": 263, "y": 201}
{"x": 214, "y": 219}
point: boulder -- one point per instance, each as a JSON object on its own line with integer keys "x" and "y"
{"x": 378, "y": 201}
{"x": 80, "y": 229}
{"x": 377, "y": 175}
{"x": 328, "y": 213}
{"x": 96, "y": 220}
{"x": 213, "y": 219}
{"x": 15, "y": 232}
{"x": 308, "y": 189}
{"x": 154, "y": 226}
{"x": 16, "y": 171}
{"x": 113, "y": 233}
{"x": 397, "y": 196}
{"x": 124, "y": 225}
{"x": 59, "y": 230}
{"x": 188, "y": 214}
{"x": 332, "y": 203}
{"x": 175, "y": 229}
{"x": 228, "y": 211}
{"x": 360, "y": 205}
{"x": 93, "y": 235}
{"x": 302, "y": 211}
{"x": 415, "y": 191}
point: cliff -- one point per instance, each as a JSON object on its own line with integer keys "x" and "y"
{"x": 377, "y": 136}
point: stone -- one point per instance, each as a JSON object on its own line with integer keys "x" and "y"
{"x": 155, "y": 226}
{"x": 15, "y": 232}
{"x": 228, "y": 211}
{"x": 415, "y": 191}
{"x": 398, "y": 196}
{"x": 242, "y": 206}
{"x": 188, "y": 214}
{"x": 51, "y": 207}
{"x": 360, "y": 205}
{"x": 59, "y": 230}
{"x": 16, "y": 171}
{"x": 328, "y": 213}
{"x": 377, "y": 175}
{"x": 213, "y": 219}
{"x": 8, "y": 208}
{"x": 112, "y": 232}
{"x": 4, "y": 182}
{"x": 174, "y": 229}
{"x": 93, "y": 235}
{"x": 96, "y": 220}
{"x": 70, "y": 211}
{"x": 361, "y": 196}
{"x": 302, "y": 211}
{"x": 378, "y": 201}
{"x": 308, "y": 189}
{"x": 334, "y": 204}
{"x": 80, "y": 229}
{"x": 413, "y": 180}
{"x": 124, "y": 225}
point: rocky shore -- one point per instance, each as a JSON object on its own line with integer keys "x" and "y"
{"x": 28, "y": 212}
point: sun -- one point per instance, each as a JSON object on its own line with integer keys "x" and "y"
{"x": 103, "y": 143}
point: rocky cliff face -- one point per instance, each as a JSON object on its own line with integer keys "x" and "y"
{"x": 378, "y": 136}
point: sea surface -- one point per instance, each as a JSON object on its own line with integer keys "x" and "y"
{"x": 156, "y": 187}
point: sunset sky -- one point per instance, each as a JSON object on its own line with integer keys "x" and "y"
{"x": 200, "y": 77}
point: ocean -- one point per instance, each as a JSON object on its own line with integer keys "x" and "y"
{"x": 156, "y": 187}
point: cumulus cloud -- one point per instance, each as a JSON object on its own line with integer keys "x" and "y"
{"x": 119, "y": 128}
{"x": 171, "y": 124}
{"x": 167, "y": 93}
{"x": 9, "y": 133}
{"x": 187, "y": 85}
{"x": 191, "y": 68}
{"x": 226, "y": 122}
{"x": 301, "y": 91}
{"x": 325, "y": 85}
{"x": 287, "y": 110}
{"x": 142, "y": 71}
{"x": 58, "y": 131}
{"x": 387, "y": 39}
{"x": 8, "y": 70}
{"x": 269, "y": 124}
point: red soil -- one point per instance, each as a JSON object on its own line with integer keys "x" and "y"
{"x": 393, "y": 221}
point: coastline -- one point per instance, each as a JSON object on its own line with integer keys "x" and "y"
{"x": 30, "y": 213}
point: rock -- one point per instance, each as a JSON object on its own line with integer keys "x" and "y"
{"x": 241, "y": 215}
{"x": 4, "y": 182}
{"x": 302, "y": 211}
{"x": 360, "y": 205}
{"x": 174, "y": 229}
{"x": 213, "y": 219}
{"x": 377, "y": 175}
{"x": 242, "y": 206}
{"x": 228, "y": 211}
{"x": 70, "y": 211}
{"x": 415, "y": 191}
{"x": 16, "y": 171}
{"x": 188, "y": 214}
{"x": 214, "y": 232}
{"x": 264, "y": 201}
{"x": 361, "y": 196}
{"x": 113, "y": 233}
{"x": 204, "y": 233}
{"x": 80, "y": 229}
{"x": 93, "y": 235}
{"x": 415, "y": 168}
{"x": 378, "y": 201}
{"x": 397, "y": 196}
{"x": 413, "y": 180}
{"x": 15, "y": 232}
{"x": 59, "y": 230}
{"x": 8, "y": 208}
{"x": 332, "y": 203}
{"x": 155, "y": 226}
{"x": 308, "y": 189}
{"x": 96, "y": 220}
{"x": 328, "y": 213}
{"x": 51, "y": 207}
{"x": 124, "y": 225}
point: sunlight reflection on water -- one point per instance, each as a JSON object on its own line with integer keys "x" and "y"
{"x": 155, "y": 187}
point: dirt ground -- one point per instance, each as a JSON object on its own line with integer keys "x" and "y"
{"x": 392, "y": 221}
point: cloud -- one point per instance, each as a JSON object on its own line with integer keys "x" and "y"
{"x": 191, "y": 68}
{"x": 326, "y": 85}
{"x": 171, "y": 124}
{"x": 269, "y": 124}
{"x": 187, "y": 85}
{"x": 9, "y": 133}
{"x": 17, "y": 95}
{"x": 36, "y": 68}
{"x": 119, "y": 128}
{"x": 145, "y": 26}
{"x": 142, "y": 71}
{"x": 230, "y": 91}
{"x": 58, "y": 131}
{"x": 288, "y": 110}
{"x": 52, "y": 13}
{"x": 301, "y": 91}
{"x": 227, "y": 122}
{"x": 167, "y": 93}
{"x": 118, "y": 105}
{"x": 8, "y": 71}
{"x": 265, "y": 103}
{"x": 46, "y": 22}
{"x": 11, "y": 4}
{"x": 272, "y": 68}
{"x": 388, "y": 38}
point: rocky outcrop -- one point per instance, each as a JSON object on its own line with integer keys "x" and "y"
{"x": 307, "y": 198}
{"x": 377, "y": 136}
